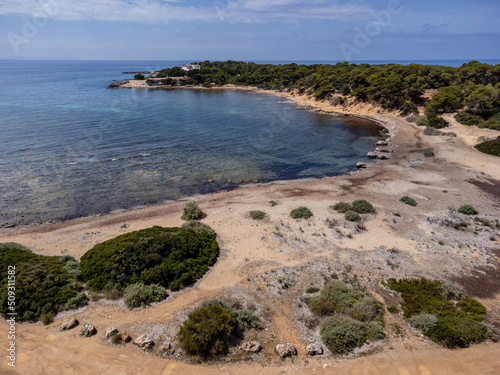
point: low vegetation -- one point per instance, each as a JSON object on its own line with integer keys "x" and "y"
{"x": 341, "y": 334}
{"x": 44, "y": 285}
{"x": 258, "y": 215}
{"x": 467, "y": 210}
{"x": 409, "y": 201}
{"x": 342, "y": 207}
{"x": 429, "y": 153}
{"x": 301, "y": 213}
{"x": 352, "y": 216}
{"x": 208, "y": 331}
{"x": 362, "y": 206}
{"x": 192, "y": 212}
{"x": 171, "y": 257}
{"x": 137, "y": 295}
{"x": 490, "y": 147}
{"x": 443, "y": 312}
{"x": 357, "y": 318}
{"x": 214, "y": 326}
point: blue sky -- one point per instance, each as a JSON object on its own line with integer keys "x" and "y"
{"x": 250, "y": 29}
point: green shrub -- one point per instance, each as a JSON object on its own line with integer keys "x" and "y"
{"x": 301, "y": 213}
{"x": 352, "y": 216}
{"x": 258, "y": 215}
{"x": 407, "y": 200}
{"x": 467, "y": 210}
{"x": 429, "y": 153}
{"x": 117, "y": 339}
{"x": 422, "y": 121}
{"x": 393, "y": 309}
{"x": 192, "y": 212}
{"x": 490, "y": 147}
{"x": 457, "y": 332}
{"x": 137, "y": 295}
{"x": 457, "y": 325}
{"x": 273, "y": 203}
{"x": 366, "y": 309}
{"x": 213, "y": 302}
{"x": 437, "y": 122}
{"x": 47, "y": 318}
{"x": 170, "y": 257}
{"x": 341, "y": 334}
{"x": 45, "y": 285}
{"x": 408, "y": 108}
{"x": 466, "y": 118}
{"x": 139, "y": 76}
{"x": 312, "y": 289}
{"x": 412, "y": 118}
{"x": 247, "y": 319}
{"x": 208, "y": 331}
{"x": 362, "y": 207}
{"x": 320, "y": 306}
{"x": 342, "y": 207}
{"x": 423, "y": 321}
{"x": 198, "y": 227}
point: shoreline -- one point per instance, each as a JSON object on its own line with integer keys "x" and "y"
{"x": 408, "y": 245}
{"x": 310, "y": 106}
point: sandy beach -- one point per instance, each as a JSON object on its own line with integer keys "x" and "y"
{"x": 301, "y": 250}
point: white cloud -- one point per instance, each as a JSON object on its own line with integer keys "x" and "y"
{"x": 157, "y": 11}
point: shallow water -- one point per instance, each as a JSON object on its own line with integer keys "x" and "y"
{"x": 70, "y": 147}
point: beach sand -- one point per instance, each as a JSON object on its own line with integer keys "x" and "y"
{"x": 457, "y": 175}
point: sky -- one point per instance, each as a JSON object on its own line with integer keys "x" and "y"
{"x": 250, "y": 30}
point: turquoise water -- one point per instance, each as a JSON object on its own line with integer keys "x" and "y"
{"x": 70, "y": 147}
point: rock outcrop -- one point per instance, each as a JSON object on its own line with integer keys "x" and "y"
{"x": 144, "y": 342}
{"x": 314, "y": 349}
{"x": 286, "y": 350}
{"x": 251, "y": 346}
{"x": 88, "y": 330}
{"x": 68, "y": 323}
{"x": 111, "y": 331}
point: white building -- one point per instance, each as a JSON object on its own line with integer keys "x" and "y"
{"x": 188, "y": 67}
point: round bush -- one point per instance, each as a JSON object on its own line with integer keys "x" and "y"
{"x": 171, "y": 257}
{"x": 422, "y": 121}
{"x": 301, "y": 213}
{"x": 258, "y": 215}
{"x": 342, "y": 207}
{"x": 362, "y": 207}
{"x": 137, "y": 295}
{"x": 467, "y": 210}
{"x": 247, "y": 319}
{"x": 409, "y": 201}
{"x": 352, "y": 216}
{"x": 412, "y": 118}
{"x": 341, "y": 334}
{"x": 207, "y": 331}
{"x": 192, "y": 212}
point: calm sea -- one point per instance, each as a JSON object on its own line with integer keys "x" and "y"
{"x": 70, "y": 147}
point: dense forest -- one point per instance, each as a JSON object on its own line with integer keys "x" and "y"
{"x": 473, "y": 89}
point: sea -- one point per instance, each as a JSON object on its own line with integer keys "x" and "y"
{"x": 70, "y": 147}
